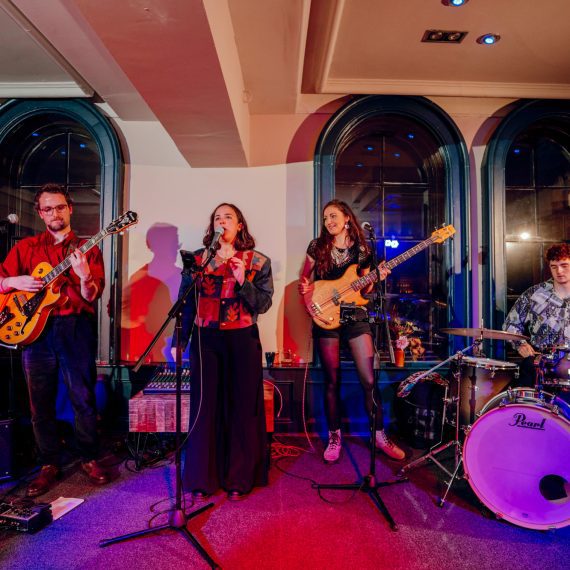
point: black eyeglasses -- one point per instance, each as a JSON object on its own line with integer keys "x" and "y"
{"x": 49, "y": 210}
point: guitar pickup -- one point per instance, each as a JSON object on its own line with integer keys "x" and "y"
{"x": 5, "y": 316}
{"x": 336, "y": 298}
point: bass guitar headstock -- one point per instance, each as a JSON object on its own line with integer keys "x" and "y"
{"x": 445, "y": 232}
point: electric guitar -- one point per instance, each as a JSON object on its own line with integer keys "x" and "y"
{"x": 323, "y": 301}
{"x": 23, "y": 315}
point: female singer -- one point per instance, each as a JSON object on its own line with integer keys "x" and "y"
{"x": 227, "y": 443}
{"x": 341, "y": 243}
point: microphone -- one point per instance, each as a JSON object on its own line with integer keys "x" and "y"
{"x": 367, "y": 227}
{"x": 218, "y": 233}
{"x": 10, "y": 219}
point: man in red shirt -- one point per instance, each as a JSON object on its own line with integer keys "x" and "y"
{"x": 67, "y": 345}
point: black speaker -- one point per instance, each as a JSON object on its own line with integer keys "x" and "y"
{"x": 6, "y": 455}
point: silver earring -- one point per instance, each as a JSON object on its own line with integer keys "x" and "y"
{"x": 347, "y": 225}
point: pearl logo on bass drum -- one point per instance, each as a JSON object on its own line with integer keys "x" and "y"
{"x": 519, "y": 420}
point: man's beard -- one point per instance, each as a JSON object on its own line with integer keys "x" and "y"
{"x": 57, "y": 225}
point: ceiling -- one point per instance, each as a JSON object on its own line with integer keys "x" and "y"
{"x": 203, "y": 68}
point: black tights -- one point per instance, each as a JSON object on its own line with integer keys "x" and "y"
{"x": 362, "y": 351}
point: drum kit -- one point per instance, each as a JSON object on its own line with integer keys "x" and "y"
{"x": 512, "y": 445}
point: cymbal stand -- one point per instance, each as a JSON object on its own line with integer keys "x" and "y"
{"x": 455, "y": 443}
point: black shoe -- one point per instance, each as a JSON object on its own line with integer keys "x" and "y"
{"x": 234, "y": 495}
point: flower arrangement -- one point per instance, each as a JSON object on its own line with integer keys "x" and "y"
{"x": 401, "y": 332}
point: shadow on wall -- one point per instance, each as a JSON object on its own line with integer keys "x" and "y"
{"x": 147, "y": 298}
{"x": 296, "y": 326}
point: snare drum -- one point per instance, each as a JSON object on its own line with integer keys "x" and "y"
{"x": 481, "y": 379}
{"x": 515, "y": 458}
{"x": 554, "y": 367}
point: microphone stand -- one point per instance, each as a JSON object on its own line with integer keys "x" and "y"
{"x": 177, "y": 519}
{"x": 369, "y": 484}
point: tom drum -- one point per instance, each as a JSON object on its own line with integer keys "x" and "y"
{"x": 481, "y": 379}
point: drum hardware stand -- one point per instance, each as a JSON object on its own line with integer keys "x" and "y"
{"x": 455, "y": 443}
{"x": 369, "y": 484}
{"x": 177, "y": 519}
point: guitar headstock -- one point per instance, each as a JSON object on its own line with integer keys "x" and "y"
{"x": 123, "y": 222}
{"x": 439, "y": 236}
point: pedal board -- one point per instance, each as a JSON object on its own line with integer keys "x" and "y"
{"x": 25, "y": 519}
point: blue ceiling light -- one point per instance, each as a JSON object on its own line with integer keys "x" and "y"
{"x": 82, "y": 145}
{"x": 369, "y": 147}
{"x": 488, "y": 39}
{"x": 359, "y": 165}
{"x": 35, "y": 134}
{"x": 397, "y": 154}
{"x": 454, "y": 3}
{"x": 411, "y": 136}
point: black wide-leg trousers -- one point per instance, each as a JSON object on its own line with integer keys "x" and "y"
{"x": 227, "y": 446}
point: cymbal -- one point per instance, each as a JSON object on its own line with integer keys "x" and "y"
{"x": 485, "y": 333}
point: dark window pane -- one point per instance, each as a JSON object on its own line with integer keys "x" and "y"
{"x": 518, "y": 167}
{"x": 84, "y": 163}
{"x": 554, "y": 214}
{"x": 520, "y": 206}
{"x": 45, "y": 161}
{"x": 552, "y": 164}
{"x": 523, "y": 266}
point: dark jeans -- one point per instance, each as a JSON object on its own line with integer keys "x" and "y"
{"x": 66, "y": 347}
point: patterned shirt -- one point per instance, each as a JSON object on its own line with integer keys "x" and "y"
{"x": 542, "y": 315}
{"x": 224, "y": 304}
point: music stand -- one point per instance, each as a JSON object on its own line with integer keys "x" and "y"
{"x": 177, "y": 519}
{"x": 369, "y": 484}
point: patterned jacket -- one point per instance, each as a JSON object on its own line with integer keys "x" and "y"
{"x": 541, "y": 314}
{"x": 222, "y": 303}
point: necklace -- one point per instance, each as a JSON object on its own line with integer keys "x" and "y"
{"x": 340, "y": 256}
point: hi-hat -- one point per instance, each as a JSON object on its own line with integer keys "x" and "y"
{"x": 485, "y": 333}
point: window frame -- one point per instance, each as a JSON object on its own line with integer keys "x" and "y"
{"x": 12, "y": 113}
{"x": 456, "y": 185}
{"x": 522, "y": 117}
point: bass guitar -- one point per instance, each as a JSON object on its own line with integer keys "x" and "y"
{"x": 324, "y": 300}
{"x": 23, "y": 315}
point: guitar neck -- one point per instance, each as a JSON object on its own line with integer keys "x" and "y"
{"x": 372, "y": 277}
{"x": 66, "y": 263}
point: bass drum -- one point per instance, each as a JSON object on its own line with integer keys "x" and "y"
{"x": 516, "y": 458}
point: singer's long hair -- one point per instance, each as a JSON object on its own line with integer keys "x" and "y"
{"x": 244, "y": 240}
{"x": 325, "y": 240}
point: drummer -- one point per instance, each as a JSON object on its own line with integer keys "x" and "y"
{"x": 543, "y": 313}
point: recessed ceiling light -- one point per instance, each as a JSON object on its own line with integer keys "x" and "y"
{"x": 443, "y": 36}
{"x": 454, "y": 3}
{"x": 488, "y": 39}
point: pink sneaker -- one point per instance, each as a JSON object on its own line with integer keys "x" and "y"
{"x": 332, "y": 452}
{"x": 385, "y": 444}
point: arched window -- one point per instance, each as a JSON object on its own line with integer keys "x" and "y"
{"x": 69, "y": 143}
{"x": 401, "y": 165}
{"x": 527, "y": 199}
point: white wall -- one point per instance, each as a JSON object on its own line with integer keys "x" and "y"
{"x": 277, "y": 202}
